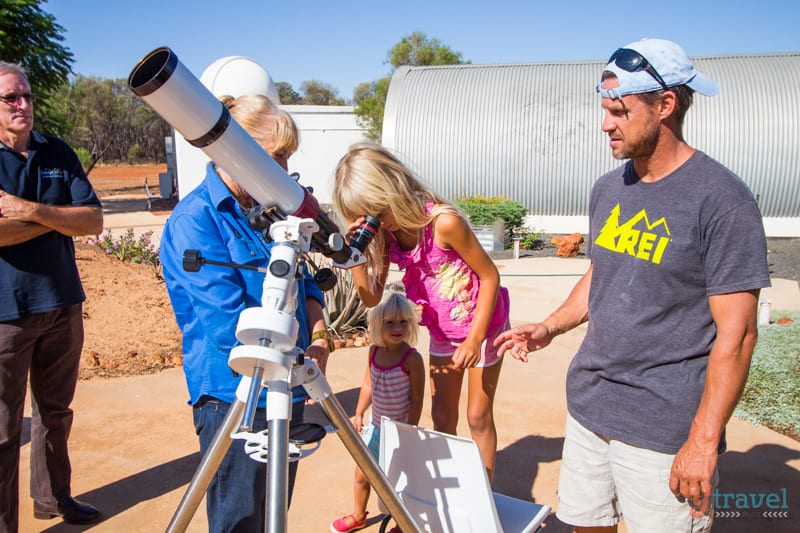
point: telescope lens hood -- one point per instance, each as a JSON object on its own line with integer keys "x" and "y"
{"x": 152, "y": 71}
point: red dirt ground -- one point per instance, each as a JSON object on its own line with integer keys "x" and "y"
{"x": 130, "y": 327}
{"x": 112, "y": 179}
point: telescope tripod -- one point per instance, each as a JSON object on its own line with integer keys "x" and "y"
{"x": 268, "y": 358}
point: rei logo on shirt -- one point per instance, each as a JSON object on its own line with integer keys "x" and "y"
{"x": 637, "y": 237}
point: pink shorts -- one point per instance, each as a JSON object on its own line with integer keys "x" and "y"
{"x": 489, "y": 354}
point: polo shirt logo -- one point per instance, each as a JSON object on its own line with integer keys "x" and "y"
{"x": 646, "y": 242}
{"x": 52, "y": 174}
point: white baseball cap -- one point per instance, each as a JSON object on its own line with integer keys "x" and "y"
{"x": 652, "y": 65}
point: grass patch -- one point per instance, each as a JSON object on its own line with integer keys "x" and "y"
{"x": 772, "y": 395}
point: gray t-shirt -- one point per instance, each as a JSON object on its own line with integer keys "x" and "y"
{"x": 658, "y": 251}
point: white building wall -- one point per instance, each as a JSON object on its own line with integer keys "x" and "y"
{"x": 326, "y": 132}
{"x": 531, "y": 132}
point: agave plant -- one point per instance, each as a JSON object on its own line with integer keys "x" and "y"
{"x": 344, "y": 311}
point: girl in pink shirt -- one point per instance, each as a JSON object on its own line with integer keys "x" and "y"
{"x": 447, "y": 273}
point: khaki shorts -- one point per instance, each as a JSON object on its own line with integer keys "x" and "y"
{"x": 603, "y": 481}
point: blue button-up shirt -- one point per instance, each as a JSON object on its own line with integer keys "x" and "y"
{"x": 207, "y": 303}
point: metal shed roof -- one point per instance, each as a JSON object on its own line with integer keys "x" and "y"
{"x": 531, "y": 131}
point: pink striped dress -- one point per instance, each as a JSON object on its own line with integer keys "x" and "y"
{"x": 391, "y": 389}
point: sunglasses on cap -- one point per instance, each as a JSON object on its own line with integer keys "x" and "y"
{"x": 631, "y": 61}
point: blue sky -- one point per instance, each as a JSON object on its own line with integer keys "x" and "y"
{"x": 345, "y": 42}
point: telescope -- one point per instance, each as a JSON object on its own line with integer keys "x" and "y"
{"x": 288, "y": 215}
{"x": 173, "y": 92}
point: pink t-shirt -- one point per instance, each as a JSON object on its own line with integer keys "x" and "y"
{"x": 440, "y": 281}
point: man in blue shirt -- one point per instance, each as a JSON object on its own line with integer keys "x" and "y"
{"x": 207, "y": 305}
{"x": 45, "y": 201}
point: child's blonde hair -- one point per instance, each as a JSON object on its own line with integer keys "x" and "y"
{"x": 394, "y": 305}
{"x": 368, "y": 180}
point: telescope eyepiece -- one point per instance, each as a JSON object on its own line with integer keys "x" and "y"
{"x": 365, "y": 232}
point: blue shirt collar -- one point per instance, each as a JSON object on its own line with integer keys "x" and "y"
{"x": 36, "y": 139}
{"x": 219, "y": 193}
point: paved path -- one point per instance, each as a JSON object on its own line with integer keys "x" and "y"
{"x": 134, "y": 449}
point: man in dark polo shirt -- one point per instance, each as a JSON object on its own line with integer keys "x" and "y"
{"x": 45, "y": 201}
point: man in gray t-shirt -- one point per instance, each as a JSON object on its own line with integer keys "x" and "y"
{"x": 678, "y": 259}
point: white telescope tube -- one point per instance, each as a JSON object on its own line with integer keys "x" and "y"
{"x": 173, "y": 92}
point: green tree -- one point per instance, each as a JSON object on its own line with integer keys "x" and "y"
{"x": 31, "y": 37}
{"x": 104, "y": 109}
{"x": 415, "y": 49}
{"x": 287, "y": 94}
{"x": 53, "y": 114}
{"x": 316, "y": 92}
{"x": 148, "y": 130}
{"x": 107, "y": 120}
{"x": 370, "y": 101}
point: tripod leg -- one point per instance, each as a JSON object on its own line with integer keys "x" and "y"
{"x": 208, "y": 467}
{"x": 279, "y": 406}
{"x": 319, "y": 389}
{"x": 363, "y": 458}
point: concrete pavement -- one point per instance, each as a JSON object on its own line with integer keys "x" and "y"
{"x": 134, "y": 449}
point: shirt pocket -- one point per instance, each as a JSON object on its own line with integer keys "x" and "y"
{"x": 247, "y": 248}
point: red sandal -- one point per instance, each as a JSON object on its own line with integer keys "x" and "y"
{"x": 348, "y": 523}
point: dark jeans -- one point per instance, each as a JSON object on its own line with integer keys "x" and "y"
{"x": 236, "y": 497}
{"x": 48, "y": 345}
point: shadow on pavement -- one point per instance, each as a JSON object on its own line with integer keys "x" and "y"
{"x": 113, "y": 205}
{"x": 748, "y": 497}
{"x": 315, "y": 415}
{"x": 121, "y": 495}
{"x": 25, "y": 437}
{"x": 517, "y": 466}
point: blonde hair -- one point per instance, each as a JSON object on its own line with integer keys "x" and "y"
{"x": 393, "y": 305}
{"x": 272, "y": 128}
{"x": 368, "y": 180}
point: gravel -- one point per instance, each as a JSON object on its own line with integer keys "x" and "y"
{"x": 784, "y": 257}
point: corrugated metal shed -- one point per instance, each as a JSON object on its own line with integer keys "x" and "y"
{"x": 531, "y": 131}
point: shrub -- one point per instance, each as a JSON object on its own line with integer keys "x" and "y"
{"x": 136, "y": 153}
{"x": 529, "y": 239}
{"x": 128, "y": 248}
{"x": 84, "y": 156}
{"x": 483, "y": 211}
{"x": 772, "y": 394}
